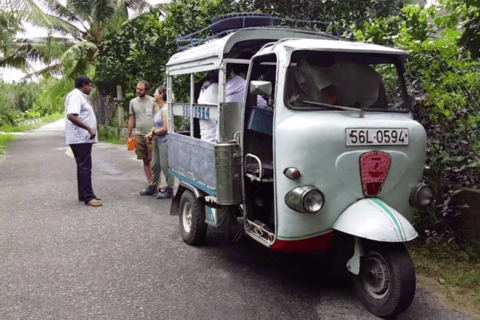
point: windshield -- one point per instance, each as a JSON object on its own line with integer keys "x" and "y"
{"x": 323, "y": 80}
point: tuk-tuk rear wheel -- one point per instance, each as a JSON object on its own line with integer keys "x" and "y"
{"x": 386, "y": 283}
{"x": 192, "y": 219}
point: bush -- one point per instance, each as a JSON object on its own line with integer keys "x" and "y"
{"x": 15, "y": 99}
{"x": 21, "y": 101}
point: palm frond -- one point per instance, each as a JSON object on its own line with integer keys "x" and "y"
{"x": 9, "y": 23}
{"x": 64, "y": 42}
{"x": 19, "y": 7}
{"x": 115, "y": 24}
{"x": 29, "y": 11}
{"x": 66, "y": 28}
{"x": 38, "y": 18}
{"x": 52, "y": 70}
{"x": 76, "y": 56}
{"x": 93, "y": 11}
{"x": 15, "y": 60}
{"x": 138, "y": 6}
{"x": 61, "y": 11}
{"x": 43, "y": 50}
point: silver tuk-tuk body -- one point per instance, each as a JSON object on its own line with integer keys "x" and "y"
{"x": 302, "y": 174}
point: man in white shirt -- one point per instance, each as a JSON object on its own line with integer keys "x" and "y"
{"x": 235, "y": 88}
{"x": 209, "y": 95}
{"x": 80, "y": 134}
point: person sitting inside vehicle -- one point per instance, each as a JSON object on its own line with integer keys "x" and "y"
{"x": 235, "y": 87}
{"x": 208, "y": 95}
{"x": 234, "y": 92}
{"x": 320, "y": 78}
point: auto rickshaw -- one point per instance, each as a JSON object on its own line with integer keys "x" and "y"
{"x": 334, "y": 157}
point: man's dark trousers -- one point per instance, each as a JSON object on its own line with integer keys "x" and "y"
{"x": 83, "y": 157}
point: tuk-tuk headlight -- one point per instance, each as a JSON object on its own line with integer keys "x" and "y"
{"x": 421, "y": 195}
{"x": 305, "y": 199}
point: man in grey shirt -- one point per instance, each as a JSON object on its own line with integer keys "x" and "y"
{"x": 80, "y": 134}
{"x": 140, "y": 124}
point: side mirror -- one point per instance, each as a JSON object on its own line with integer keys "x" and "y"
{"x": 260, "y": 87}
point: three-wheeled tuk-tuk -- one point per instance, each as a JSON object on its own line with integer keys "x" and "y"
{"x": 322, "y": 149}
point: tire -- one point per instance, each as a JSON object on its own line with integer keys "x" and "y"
{"x": 192, "y": 219}
{"x": 386, "y": 283}
{"x": 234, "y": 21}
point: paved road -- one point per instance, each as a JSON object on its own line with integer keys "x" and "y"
{"x": 60, "y": 259}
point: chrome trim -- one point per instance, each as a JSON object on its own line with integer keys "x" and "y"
{"x": 414, "y": 194}
{"x": 295, "y": 197}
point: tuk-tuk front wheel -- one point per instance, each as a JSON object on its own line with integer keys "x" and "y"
{"x": 192, "y": 219}
{"x": 386, "y": 283}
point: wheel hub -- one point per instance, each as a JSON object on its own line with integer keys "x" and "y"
{"x": 187, "y": 217}
{"x": 376, "y": 277}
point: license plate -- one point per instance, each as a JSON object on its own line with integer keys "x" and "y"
{"x": 377, "y": 137}
{"x": 198, "y": 112}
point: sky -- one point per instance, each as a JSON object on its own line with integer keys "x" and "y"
{"x": 11, "y": 75}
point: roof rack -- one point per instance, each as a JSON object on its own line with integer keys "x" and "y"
{"x": 195, "y": 39}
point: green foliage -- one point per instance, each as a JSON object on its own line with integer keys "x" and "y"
{"x": 347, "y": 11}
{"x": 138, "y": 51}
{"x": 27, "y": 100}
{"x": 143, "y": 46}
{"x": 51, "y": 95}
{"x": 110, "y": 135}
{"x": 467, "y": 13}
{"x": 412, "y": 25}
{"x": 15, "y": 100}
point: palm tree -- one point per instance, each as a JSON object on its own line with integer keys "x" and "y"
{"x": 75, "y": 32}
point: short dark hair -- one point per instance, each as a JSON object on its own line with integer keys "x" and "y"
{"x": 240, "y": 68}
{"x": 146, "y": 85}
{"x": 81, "y": 80}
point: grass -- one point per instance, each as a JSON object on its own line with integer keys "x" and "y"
{"x": 22, "y": 128}
{"x": 4, "y": 140}
{"x": 53, "y": 117}
{"x": 454, "y": 275}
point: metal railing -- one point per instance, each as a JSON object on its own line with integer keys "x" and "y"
{"x": 194, "y": 39}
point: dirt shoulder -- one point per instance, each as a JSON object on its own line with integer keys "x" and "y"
{"x": 455, "y": 283}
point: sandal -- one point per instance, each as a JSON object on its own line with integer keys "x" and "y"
{"x": 81, "y": 199}
{"x": 94, "y": 203}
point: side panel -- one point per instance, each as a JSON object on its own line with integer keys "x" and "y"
{"x": 193, "y": 158}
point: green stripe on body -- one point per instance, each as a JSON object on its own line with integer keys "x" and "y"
{"x": 392, "y": 215}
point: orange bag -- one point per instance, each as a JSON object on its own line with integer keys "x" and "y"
{"x": 131, "y": 144}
